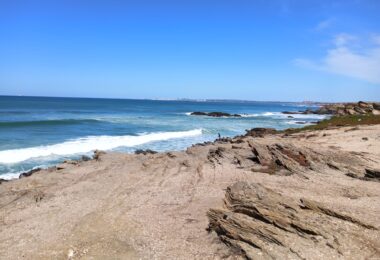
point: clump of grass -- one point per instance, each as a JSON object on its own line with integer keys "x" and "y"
{"x": 338, "y": 121}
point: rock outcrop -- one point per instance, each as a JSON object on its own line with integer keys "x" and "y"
{"x": 29, "y": 173}
{"x": 262, "y": 224}
{"x": 340, "y": 109}
{"x": 254, "y": 152}
{"x": 214, "y": 114}
{"x": 145, "y": 152}
{"x": 301, "y": 195}
{"x": 260, "y": 132}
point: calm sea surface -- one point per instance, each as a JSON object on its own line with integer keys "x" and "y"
{"x": 42, "y": 131}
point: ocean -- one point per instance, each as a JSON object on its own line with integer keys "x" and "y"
{"x": 43, "y": 131}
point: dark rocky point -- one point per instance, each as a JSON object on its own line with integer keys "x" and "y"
{"x": 214, "y": 114}
{"x": 85, "y": 158}
{"x": 145, "y": 152}
{"x": 29, "y": 173}
{"x": 3, "y": 180}
{"x": 260, "y": 132}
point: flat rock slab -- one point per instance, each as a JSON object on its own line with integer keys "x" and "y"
{"x": 262, "y": 224}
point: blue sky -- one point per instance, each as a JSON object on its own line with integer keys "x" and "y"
{"x": 284, "y": 50}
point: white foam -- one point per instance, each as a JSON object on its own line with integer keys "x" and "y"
{"x": 298, "y": 116}
{"x": 298, "y": 123}
{"x": 10, "y": 176}
{"x": 15, "y": 175}
{"x": 249, "y": 115}
{"x": 88, "y": 144}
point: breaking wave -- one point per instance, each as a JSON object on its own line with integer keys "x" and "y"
{"x": 90, "y": 143}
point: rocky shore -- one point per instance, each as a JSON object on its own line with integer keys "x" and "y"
{"x": 262, "y": 195}
{"x": 341, "y": 109}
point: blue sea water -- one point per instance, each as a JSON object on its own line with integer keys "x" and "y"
{"x": 43, "y": 131}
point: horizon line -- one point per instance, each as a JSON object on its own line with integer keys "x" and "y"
{"x": 183, "y": 99}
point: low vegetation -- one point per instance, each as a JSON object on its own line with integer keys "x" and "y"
{"x": 337, "y": 121}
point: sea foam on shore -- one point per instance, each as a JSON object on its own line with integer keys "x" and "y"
{"x": 90, "y": 143}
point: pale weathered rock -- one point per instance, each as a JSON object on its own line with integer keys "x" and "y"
{"x": 361, "y": 108}
{"x": 265, "y": 225}
{"x": 128, "y": 206}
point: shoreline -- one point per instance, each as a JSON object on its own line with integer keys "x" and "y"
{"x": 306, "y": 126}
{"x": 159, "y": 205}
{"x": 60, "y": 149}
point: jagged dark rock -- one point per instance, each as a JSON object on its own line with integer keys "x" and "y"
{"x": 29, "y": 173}
{"x": 214, "y": 114}
{"x": 85, "y": 158}
{"x": 372, "y": 174}
{"x": 224, "y": 140}
{"x": 260, "y": 132}
{"x": 145, "y": 152}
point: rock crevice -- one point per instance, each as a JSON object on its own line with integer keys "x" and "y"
{"x": 262, "y": 224}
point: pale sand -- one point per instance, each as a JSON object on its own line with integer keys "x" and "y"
{"x": 127, "y": 206}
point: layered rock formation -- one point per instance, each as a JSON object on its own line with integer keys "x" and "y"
{"x": 262, "y": 224}
{"x": 266, "y": 194}
{"x": 340, "y": 109}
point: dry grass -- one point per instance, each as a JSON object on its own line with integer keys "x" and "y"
{"x": 337, "y": 121}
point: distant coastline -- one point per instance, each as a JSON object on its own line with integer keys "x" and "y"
{"x": 194, "y": 99}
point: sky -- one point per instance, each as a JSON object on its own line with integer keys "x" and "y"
{"x": 279, "y": 50}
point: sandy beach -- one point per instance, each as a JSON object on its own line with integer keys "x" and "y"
{"x": 168, "y": 205}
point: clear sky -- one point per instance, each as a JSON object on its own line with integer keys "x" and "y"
{"x": 284, "y": 50}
